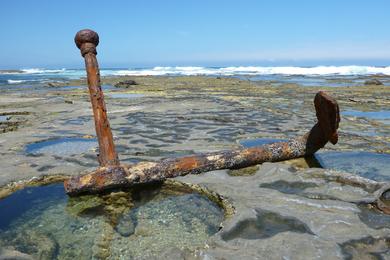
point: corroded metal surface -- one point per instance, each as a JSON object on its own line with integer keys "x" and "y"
{"x": 126, "y": 175}
{"x": 86, "y": 41}
{"x": 111, "y": 174}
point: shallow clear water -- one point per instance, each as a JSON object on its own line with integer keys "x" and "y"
{"x": 247, "y": 143}
{"x": 45, "y": 223}
{"x": 125, "y": 95}
{"x": 374, "y": 166}
{"x": 319, "y": 81}
{"x": 4, "y": 118}
{"x": 382, "y": 115}
{"x": 62, "y": 146}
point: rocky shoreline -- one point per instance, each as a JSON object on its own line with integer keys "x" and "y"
{"x": 159, "y": 117}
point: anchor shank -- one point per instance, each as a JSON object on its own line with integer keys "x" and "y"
{"x": 87, "y": 41}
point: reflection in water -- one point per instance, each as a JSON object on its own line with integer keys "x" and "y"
{"x": 373, "y": 218}
{"x": 125, "y": 95}
{"x": 44, "y": 223}
{"x": 382, "y": 115}
{"x": 4, "y": 118}
{"x": 265, "y": 225}
{"x": 374, "y": 166}
{"x": 367, "y": 248}
{"x": 62, "y": 146}
{"x": 248, "y": 143}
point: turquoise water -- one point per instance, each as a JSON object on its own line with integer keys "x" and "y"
{"x": 125, "y": 95}
{"x": 44, "y": 223}
{"x": 374, "y": 166}
{"x": 62, "y": 146}
{"x": 247, "y": 143}
{"x": 4, "y": 118}
{"x": 382, "y": 115}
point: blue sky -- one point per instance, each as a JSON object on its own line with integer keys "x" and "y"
{"x": 196, "y": 32}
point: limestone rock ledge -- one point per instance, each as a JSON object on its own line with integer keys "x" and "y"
{"x": 284, "y": 213}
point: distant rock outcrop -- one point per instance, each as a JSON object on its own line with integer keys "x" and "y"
{"x": 126, "y": 83}
{"x": 373, "y": 82}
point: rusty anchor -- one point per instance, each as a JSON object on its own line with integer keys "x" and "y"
{"x": 112, "y": 174}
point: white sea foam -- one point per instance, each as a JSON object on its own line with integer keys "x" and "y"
{"x": 218, "y": 71}
{"x": 251, "y": 70}
{"x": 41, "y": 71}
{"x": 11, "y": 81}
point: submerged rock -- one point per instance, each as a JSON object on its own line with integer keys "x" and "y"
{"x": 126, "y": 83}
{"x": 31, "y": 243}
{"x": 265, "y": 225}
{"x": 367, "y": 248}
{"x": 373, "y": 82}
{"x": 136, "y": 223}
{"x": 244, "y": 171}
{"x": 81, "y": 205}
{"x": 126, "y": 225}
{"x": 8, "y": 254}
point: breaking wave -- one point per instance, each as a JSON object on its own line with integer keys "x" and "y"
{"x": 251, "y": 70}
{"x": 41, "y": 71}
{"x": 12, "y": 81}
{"x": 32, "y": 71}
{"x": 208, "y": 71}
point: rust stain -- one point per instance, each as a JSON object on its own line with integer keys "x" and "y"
{"x": 85, "y": 180}
{"x": 99, "y": 180}
{"x": 86, "y": 41}
{"x": 187, "y": 163}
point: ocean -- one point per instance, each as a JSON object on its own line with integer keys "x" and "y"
{"x": 310, "y": 76}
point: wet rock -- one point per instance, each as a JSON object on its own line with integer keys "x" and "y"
{"x": 106, "y": 226}
{"x": 126, "y": 83}
{"x": 126, "y": 225}
{"x": 36, "y": 244}
{"x": 116, "y": 204}
{"x": 12, "y": 254}
{"x": 51, "y": 84}
{"x": 8, "y": 126}
{"x": 244, "y": 171}
{"x": 288, "y": 187}
{"x": 45, "y": 168}
{"x": 297, "y": 188}
{"x": 386, "y": 195}
{"x": 367, "y": 248}
{"x": 292, "y": 214}
{"x": 373, "y": 82}
{"x": 372, "y": 217}
{"x": 176, "y": 253}
{"x": 383, "y": 202}
{"x": 210, "y": 215}
{"x": 101, "y": 248}
{"x": 83, "y": 205}
{"x": 265, "y": 225}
